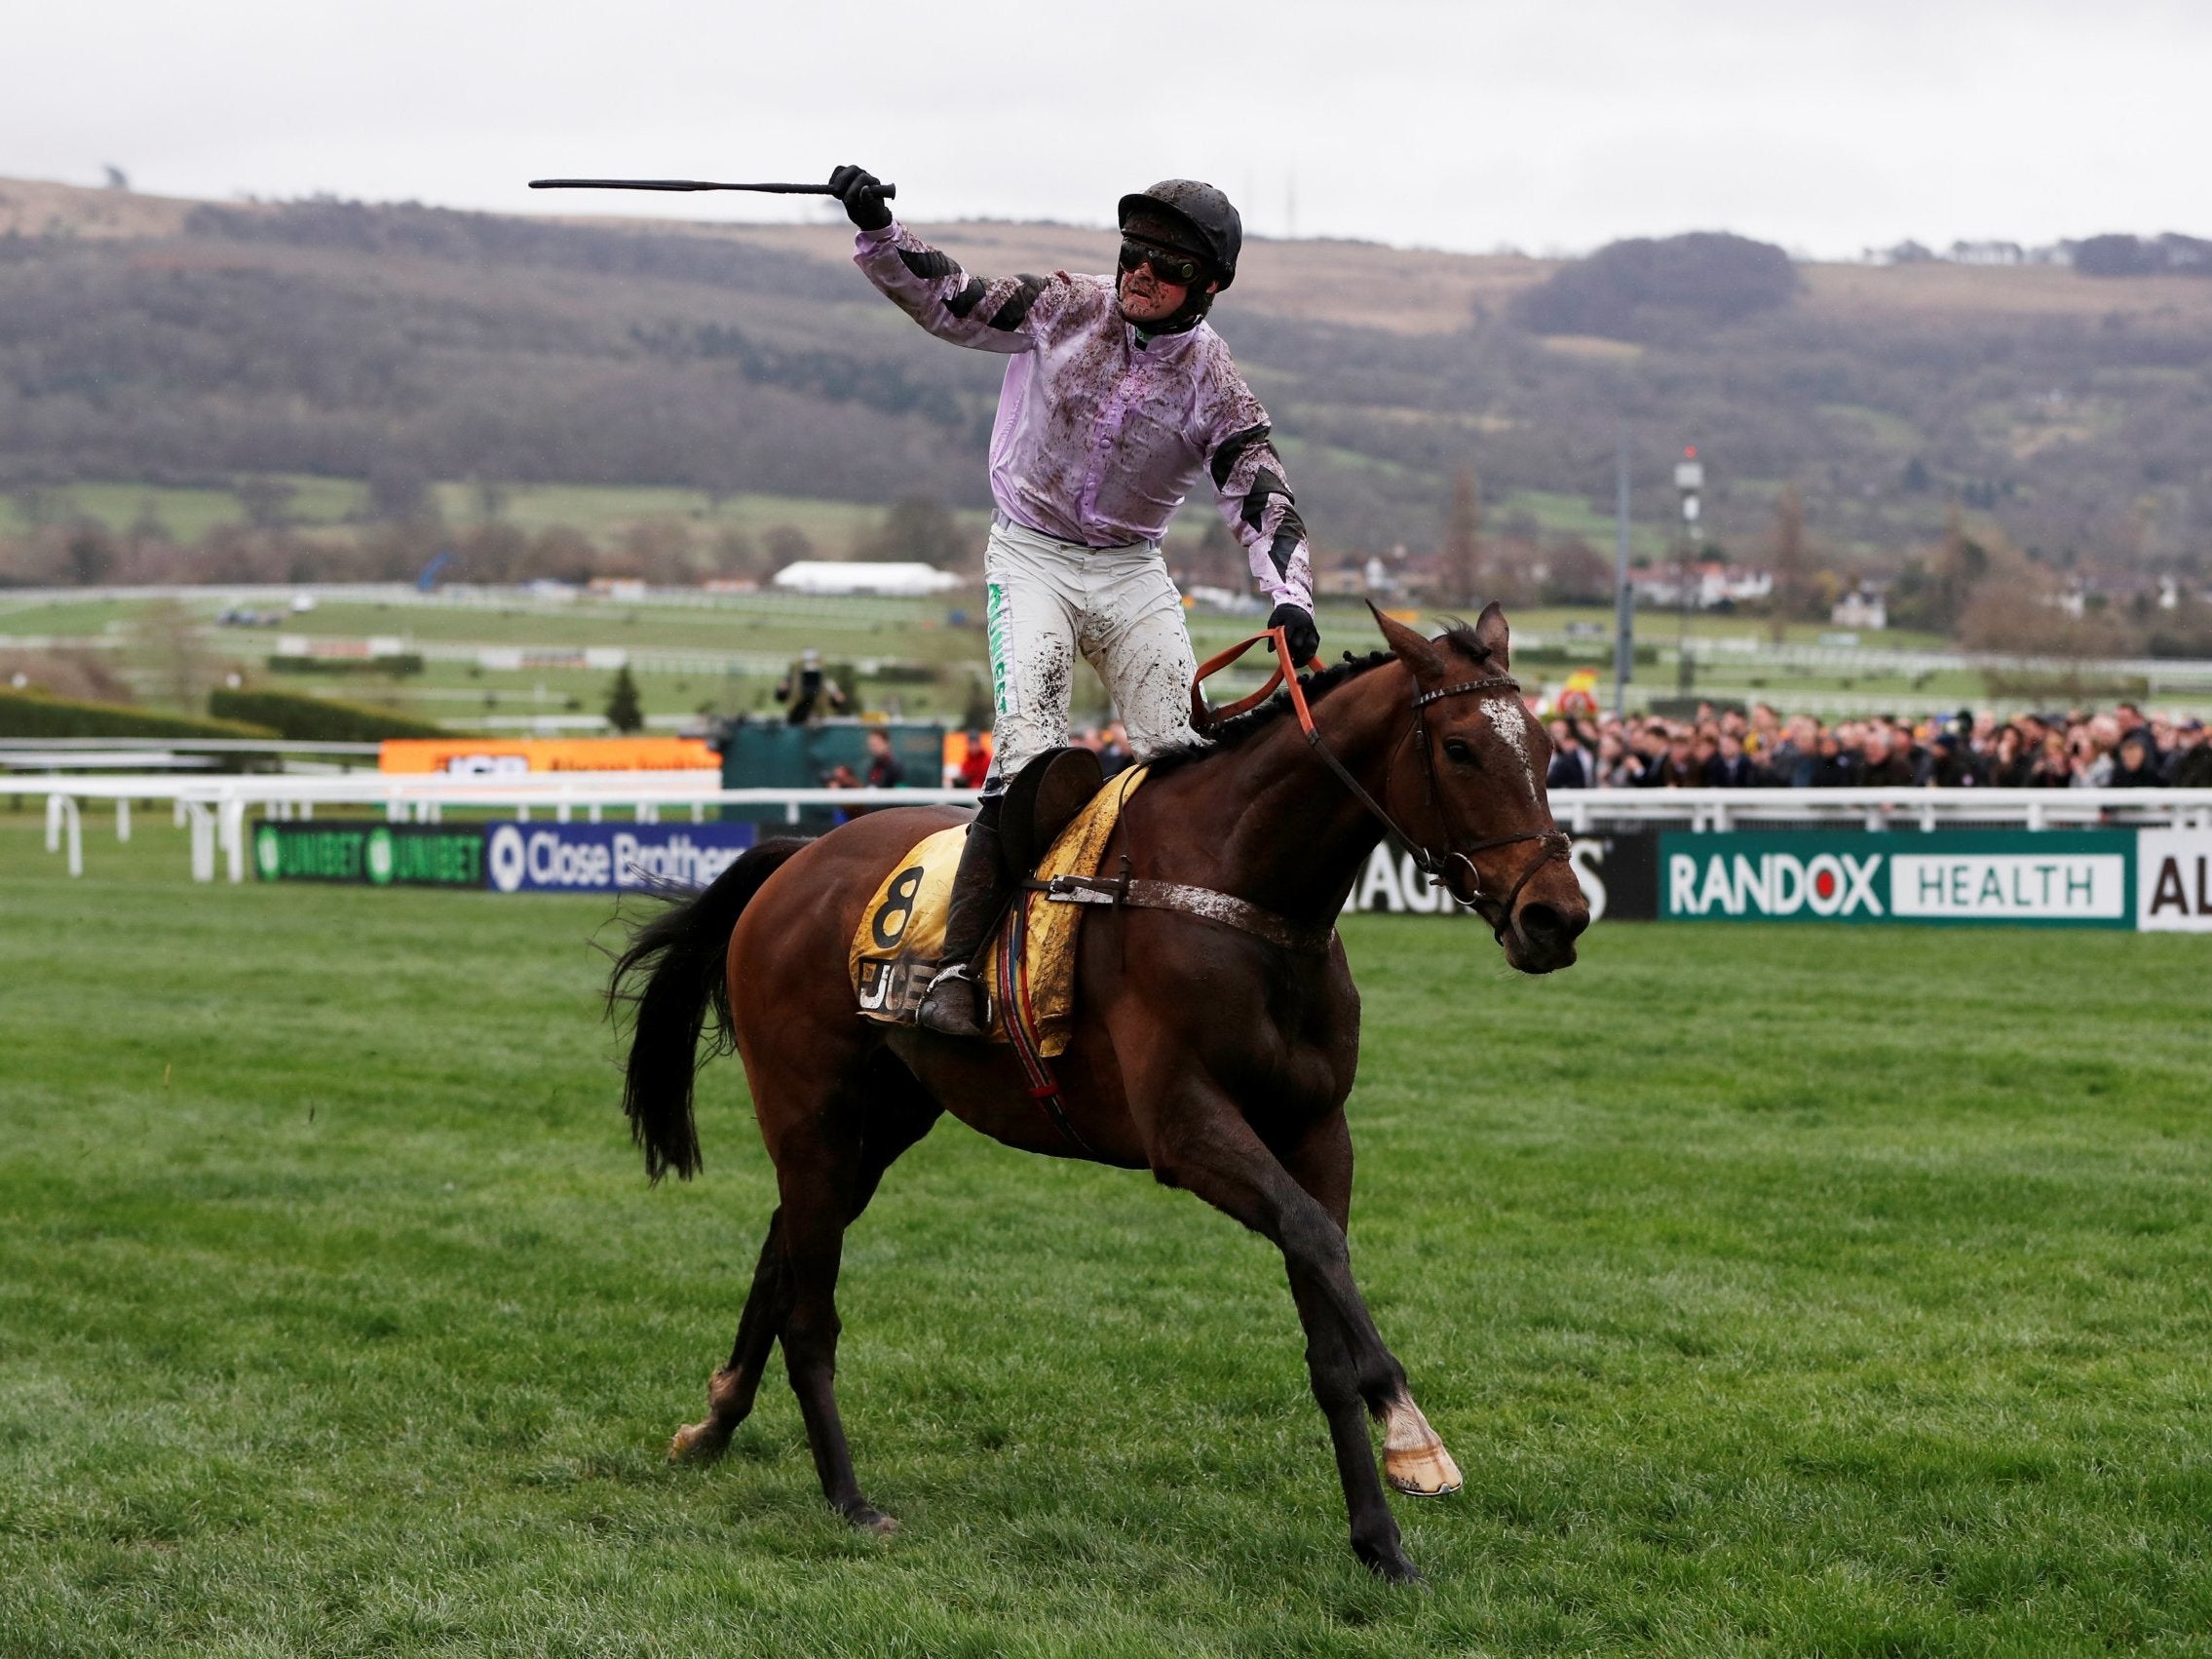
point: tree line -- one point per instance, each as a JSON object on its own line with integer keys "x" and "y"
{"x": 398, "y": 345}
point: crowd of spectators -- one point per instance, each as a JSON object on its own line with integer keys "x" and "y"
{"x": 2119, "y": 749}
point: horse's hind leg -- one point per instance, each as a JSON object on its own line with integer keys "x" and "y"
{"x": 825, "y": 1174}
{"x": 829, "y": 1162}
{"x": 730, "y": 1391}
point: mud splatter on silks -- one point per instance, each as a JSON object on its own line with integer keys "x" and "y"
{"x": 1102, "y": 431}
{"x": 1116, "y": 606}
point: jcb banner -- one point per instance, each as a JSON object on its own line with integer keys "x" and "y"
{"x": 491, "y": 756}
{"x": 2052, "y": 878}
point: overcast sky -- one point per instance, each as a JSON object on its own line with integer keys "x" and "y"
{"x": 1465, "y": 124}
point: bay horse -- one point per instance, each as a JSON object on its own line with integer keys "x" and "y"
{"x": 1209, "y": 1049}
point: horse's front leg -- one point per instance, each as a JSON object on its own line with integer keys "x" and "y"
{"x": 1201, "y": 1141}
{"x": 1415, "y": 1461}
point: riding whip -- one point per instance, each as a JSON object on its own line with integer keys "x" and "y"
{"x": 886, "y": 191}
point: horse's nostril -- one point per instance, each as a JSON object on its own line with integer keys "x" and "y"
{"x": 1548, "y": 922}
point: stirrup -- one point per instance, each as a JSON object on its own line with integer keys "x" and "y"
{"x": 956, "y": 1003}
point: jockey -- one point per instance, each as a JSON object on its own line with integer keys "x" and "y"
{"x": 1117, "y": 399}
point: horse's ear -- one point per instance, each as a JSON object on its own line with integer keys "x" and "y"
{"x": 1418, "y": 654}
{"x": 1492, "y": 634}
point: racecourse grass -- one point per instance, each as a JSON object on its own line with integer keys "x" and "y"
{"x": 1779, "y": 1290}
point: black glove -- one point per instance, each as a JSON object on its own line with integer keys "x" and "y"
{"x": 862, "y": 192}
{"x": 1304, "y": 639}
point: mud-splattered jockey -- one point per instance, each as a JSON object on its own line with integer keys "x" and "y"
{"x": 1118, "y": 400}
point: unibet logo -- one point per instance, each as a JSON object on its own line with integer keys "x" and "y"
{"x": 378, "y": 856}
{"x": 1773, "y": 884}
{"x": 268, "y": 852}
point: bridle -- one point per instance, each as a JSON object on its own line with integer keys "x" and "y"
{"x": 1551, "y": 844}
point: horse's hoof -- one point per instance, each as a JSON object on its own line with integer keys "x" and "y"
{"x": 1423, "y": 1472}
{"x": 1391, "y": 1568}
{"x": 872, "y": 1520}
{"x": 1414, "y": 1459}
{"x": 698, "y": 1443}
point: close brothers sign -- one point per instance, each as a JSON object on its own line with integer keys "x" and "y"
{"x": 2156, "y": 880}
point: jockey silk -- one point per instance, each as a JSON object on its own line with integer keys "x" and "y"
{"x": 1102, "y": 433}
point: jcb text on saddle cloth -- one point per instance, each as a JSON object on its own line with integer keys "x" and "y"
{"x": 1102, "y": 429}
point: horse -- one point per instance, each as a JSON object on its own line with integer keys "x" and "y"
{"x": 1215, "y": 1039}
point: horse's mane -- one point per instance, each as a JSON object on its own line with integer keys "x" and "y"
{"x": 1234, "y": 733}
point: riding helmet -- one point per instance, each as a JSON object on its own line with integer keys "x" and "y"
{"x": 1208, "y": 222}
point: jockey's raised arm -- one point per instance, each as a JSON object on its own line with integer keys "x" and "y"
{"x": 933, "y": 288}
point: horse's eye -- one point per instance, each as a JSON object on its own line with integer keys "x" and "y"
{"x": 1457, "y": 749}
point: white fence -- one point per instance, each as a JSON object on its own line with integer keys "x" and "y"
{"x": 216, "y": 810}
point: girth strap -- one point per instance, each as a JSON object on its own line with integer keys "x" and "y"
{"x": 1204, "y": 903}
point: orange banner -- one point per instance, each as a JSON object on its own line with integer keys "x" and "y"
{"x": 493, "y": 756}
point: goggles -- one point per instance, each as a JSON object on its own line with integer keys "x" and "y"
{"x": 1168, "y": 264}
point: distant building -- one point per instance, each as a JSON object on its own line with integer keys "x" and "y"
{"x": 1713, "y": 586}
{"x": 1355, "y": 577}
{"x": 1224, "y": 601}
{"x": 1988, "y": 253}
{"x": 885, "y": 579}
{"x": 1861, "y": 607}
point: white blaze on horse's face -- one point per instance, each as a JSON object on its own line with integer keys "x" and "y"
{"x": 1511, "y": 722}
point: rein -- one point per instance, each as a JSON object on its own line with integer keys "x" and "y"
{"x": 1551, "y": 843}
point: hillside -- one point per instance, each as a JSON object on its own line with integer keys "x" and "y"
{"x": 167, "y": 342}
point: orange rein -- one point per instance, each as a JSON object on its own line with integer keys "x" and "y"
{"x": 1204, "y": 717}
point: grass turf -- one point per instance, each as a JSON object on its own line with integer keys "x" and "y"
{"x": 1778, "y": 1290}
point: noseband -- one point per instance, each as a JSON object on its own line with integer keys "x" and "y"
{"x": 1440, "y": 868}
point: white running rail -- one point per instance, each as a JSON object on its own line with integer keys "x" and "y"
{"x": 216, "y": 810}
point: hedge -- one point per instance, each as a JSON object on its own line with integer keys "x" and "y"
{"x": 33, "y": 713}
{"x": 318, "y": 719}
{"x": 407, "y": 662}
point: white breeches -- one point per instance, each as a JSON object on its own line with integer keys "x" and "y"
{"x": 1047, "y": 599}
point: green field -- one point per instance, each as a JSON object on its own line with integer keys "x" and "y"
{"x": 185, "y": 515}
{"x": 1778, "y": 1290}
{"x": 598, "y": 511}
{"x": 923, "y": 634}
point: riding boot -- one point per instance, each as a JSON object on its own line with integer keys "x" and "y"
{"x": 956, "y": 1005}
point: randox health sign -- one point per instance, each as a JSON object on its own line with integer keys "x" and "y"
{"x": 2048, "y": 878}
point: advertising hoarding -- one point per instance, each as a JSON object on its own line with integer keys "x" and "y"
{"x": 1617, "y": 875}
{"x": 2049, "y": 878}
{"x": 381, "y": 854}
{"x": 2173, "y": 880}
{"x": 608, "y": 858}
{"x": 496, "y": 755}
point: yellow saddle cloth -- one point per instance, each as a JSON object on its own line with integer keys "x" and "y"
{"x": 896, "y": 951}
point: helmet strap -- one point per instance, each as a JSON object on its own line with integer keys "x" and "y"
{"x": 1197, "y": 302}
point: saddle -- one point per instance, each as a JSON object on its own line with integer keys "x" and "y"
{"x": 1056, "y": 824}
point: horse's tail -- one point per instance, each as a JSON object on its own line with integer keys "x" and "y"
{"x": 679, "y": 957}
